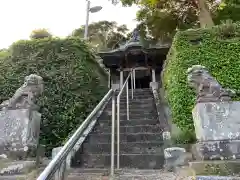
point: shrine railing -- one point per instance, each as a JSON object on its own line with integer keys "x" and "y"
{"x": 125, "y": 85}
{"x": 59, "y": 161}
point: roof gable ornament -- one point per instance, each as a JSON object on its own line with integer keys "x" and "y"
{"x": 135, "y": 35}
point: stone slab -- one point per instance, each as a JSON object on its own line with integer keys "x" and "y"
{"x": 216, "y": 178}
{"x": 139, "y": 161}
{"x": 217, "y": 150}
{"x": 14, "y": 177}
{"x": 19, "y": 130}
{"x": 217, "y": 120}
{"x": 216, "y": 167}
{"x": 16, "y": 167}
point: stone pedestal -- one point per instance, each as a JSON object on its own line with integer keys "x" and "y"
{"x": 19, "y": 132}
{"x": 174, "y": 157}
{"x": 217, "y": 127}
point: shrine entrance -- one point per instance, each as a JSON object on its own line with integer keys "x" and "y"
{"x": 146, "y": 61}
{"x": 143, "y": 82}
{"x": 143, "y": 77}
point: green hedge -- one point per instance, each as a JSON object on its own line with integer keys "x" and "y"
{"x": 74, "y": 82}
{"x": 218, "y": 49}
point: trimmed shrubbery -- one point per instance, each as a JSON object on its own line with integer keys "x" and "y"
{"x": 74, "y": 82}
{"x": 218, "y": 49}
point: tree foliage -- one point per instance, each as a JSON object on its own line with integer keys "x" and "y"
{"x": 103, "y": 33}
{"x": 3, "y": 53}
{"x": 74, "y": 82}
{"x": 200, "y": 8}
{"x": 162, "y": 24}
{"x": 161, "y": 18}
{"x": 218, "y": 50}
{"x": 228, "y": 10}
{"x": 40, "y": 34}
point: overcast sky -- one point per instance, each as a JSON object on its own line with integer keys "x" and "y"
{"x": 60, "y": 17}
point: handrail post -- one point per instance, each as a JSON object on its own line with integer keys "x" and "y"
{"x": 60, "y": 174}
{"x": 132, "y": 82}
{"x": 118, "y": 117}
{"x": 127, "y": 102}
{"x": 118, "y": 132}
{"x": 134, "y": 78}
{"x": 113, "y": 135}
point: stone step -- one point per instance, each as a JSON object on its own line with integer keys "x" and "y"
{"x": 137, "y": 106}
{"x": 133, "y": 110}
{"x": 147, "y": 116}
{"x": 140, "y": 161}
{"x": 102, "y": 171}
{"x": 138, "y": 90}
{"x": 124, "y": 118}
{"x": 106, "y": 171}
{"x": 86, "y": 177}
{"x": 135, "y": 97}
{"x": 139, "y": 113}
{"x": 145, "y": 177}
{"x": 136, "y": 100}
{"x": 131, "y": 122}
{"x": 149, "y": 174}
{"x": 135, "y": 137}
{"x": 125, "y": 148}
{"x": 122, "y": 177}
{"x": 128, "y": 129}
{"x": 144, "y": 112}
{"x": 137, "y": 103}
{"x": 138, "y": 97}
{"x": 87, "y": 174}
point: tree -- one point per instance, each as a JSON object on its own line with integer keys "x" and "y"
{"x": 3, "y": 53}
{"x": 103, "y": 33}
{"x": 40, "y": 34}
{"x": 201, "y": 8}
{"x": 161, "y": 18}
{"x": 162, "y": 24}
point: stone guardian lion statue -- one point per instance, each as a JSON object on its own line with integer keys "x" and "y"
{"x": 26, "y": 95}
{"x": 207, "y": 87}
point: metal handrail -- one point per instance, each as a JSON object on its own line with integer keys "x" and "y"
{"x": 113, "y": 135}
{"x": 61, "y": 156}
{"x": 118, "y": 113}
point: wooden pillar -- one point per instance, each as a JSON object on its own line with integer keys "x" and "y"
{"x": 121, "y": 78}
{"x": 109, "y": 79}
{"x": 153, "y": 75}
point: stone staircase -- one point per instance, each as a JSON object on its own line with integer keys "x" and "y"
{"x": 141, "y": 138}
{"x": 141, "y": 148}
